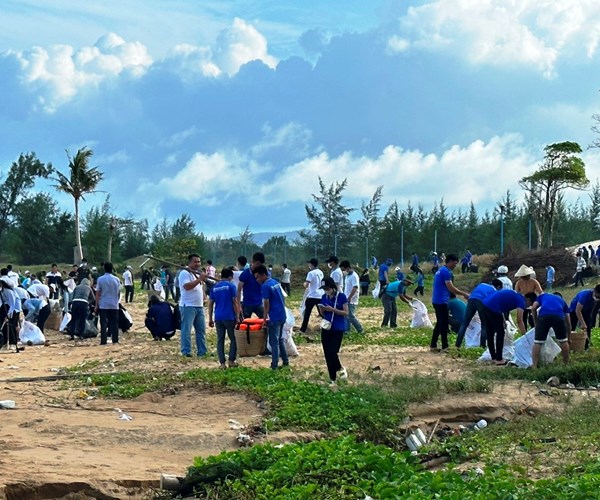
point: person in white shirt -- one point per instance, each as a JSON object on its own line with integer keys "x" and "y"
{"x": 286, "y": 279}
{"x": 13, "y": 276}
{"x": 128, "y": 283}
{"x": 10, "y": 309}
{"x": 336, "y": 272}
{"x": 312, "y": 294}
{"x": 52, "y": 279}
{"x": 501, "y": 274}
{"x": 581, "y": 264}
{"x": 191, "y": 281}
{"x": 351, "y": 290}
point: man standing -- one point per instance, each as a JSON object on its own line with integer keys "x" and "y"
{"x": 52, "y": 279}
{"x": 550, "y": 273}
{"x": 414, "y": 266}
{"x": 211, "y": 273}
{"x": 351, "y": 292}
{"x": 192, "y": 307}
{"x": 274, "y": 310}
{"x": 223, "y": 299}
{"x": 250, "y": 289}
{"x": 335, "y": 273}
{"x": 442, "y": 286}
{"x": 108, "y": 293}
{"x": 286, "y": 279}
{"x": 465, "y": 262}
{"x": 128, "y": 282}
{"x": 313, "y": 294}
{"x": 383, "y": 274}
{"x": 388, "y": 299}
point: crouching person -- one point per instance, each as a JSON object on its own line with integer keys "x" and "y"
{"x": 83, "y": 298}
{"x": 160, "y": 319}
{"x": 549, "y": 311}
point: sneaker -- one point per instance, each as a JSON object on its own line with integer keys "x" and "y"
{"x": 222, "y": 366}
{"x": 434, "y": 349}
{"x": 343, "y": 373}
{"x": 332, "y": 383}
{"x": 444, "y": 350}
{"x": 232, "y": 364}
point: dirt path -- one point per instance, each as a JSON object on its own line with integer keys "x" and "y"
{"x": 57, "y": 442}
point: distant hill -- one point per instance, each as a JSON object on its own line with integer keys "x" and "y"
{"x": 261, "y": 238}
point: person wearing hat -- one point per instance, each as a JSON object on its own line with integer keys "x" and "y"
{"x": 312, "y": 293}
{"x": 336, "y": 272}
{"x": 442, "y": 286}
{"x": 128, "y": 283}
{"x": 383, "y": 274}
{"x": 388, "y": 299}
{"x": 333, "y": 306}
{"x": 501, "y": 273}
{"x": 26, "y": 280}
{"x": 160, "y": 319}
{"x": 524, "y": 285}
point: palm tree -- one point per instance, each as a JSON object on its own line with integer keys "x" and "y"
{"x": 82, "y": 180}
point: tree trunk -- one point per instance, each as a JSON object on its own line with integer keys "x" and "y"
{"x": 78, "y": 232}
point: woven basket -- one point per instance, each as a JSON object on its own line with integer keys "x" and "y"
{"x": 250, "y": 342}
{"x": 577, "y": 341}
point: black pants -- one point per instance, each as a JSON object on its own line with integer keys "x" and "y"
{"x": 286, "y": 287}
{"x": 156, "y": 332}
{"x": 43, "y": 316}
{"x": 442, "y": 323}
{"x": 308, "y": 307}
{"x": 494, "y": 324}
{"x": 9, "y": 326}
{"x": 109, "y": 325}
{"x": 79, "y": 313}
{"x": 419, "y": 290}
{"x": 331, "y": 340}
{"x": 128, "y": 293}
{"x": 364, "y": 288}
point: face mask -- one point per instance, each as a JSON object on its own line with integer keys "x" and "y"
{"x": 329, "y": 265}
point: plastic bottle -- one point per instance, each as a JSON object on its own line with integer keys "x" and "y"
{"x": 419, "y": 433}
{"x": 7, "y": 404}
{"x": 482, "y": 424}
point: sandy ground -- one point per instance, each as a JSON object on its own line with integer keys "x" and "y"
{"x": 57, "y": 443}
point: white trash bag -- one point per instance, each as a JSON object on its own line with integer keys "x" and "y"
{"x": 508, "y": 351}
{"x": 420, "y": 316}
{"x": 31, "y": 333}
{"x": 288, "y": 336}
{"x": 473, "y": 332}
{"x": 376, "y": 290}
{"x": 65, "y": 321}
{"x": 524, "y": 345}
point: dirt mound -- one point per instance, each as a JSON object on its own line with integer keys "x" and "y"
{"x": 561, "y": 259}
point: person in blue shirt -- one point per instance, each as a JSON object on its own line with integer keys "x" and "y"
{"x": 160, "y": 319}
{"x": 333, "y": 308}
{"x": 442, "y": 286}
{"x": 457, "y": 309}
{"x": 550, "y": 311}
{"x": 414, "y": 267}
{"x": 550, "y": 272}
{"x": 223, "y": 300}
{"x": 251, "y": 289}
{"x": 420, "y": 284}
{"x": 582, "y": 309}
{"x": 465, "y": 262}
{"x": 388, "y": 299}
{"x": 475, "y": 305}
{"x": 435, "y": 261}
{"x": 383, "y": 275}
{"x": 495, "y": 306}
{"x": 274, "y": 313}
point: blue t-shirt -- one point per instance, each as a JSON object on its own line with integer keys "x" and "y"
{"x": 551, "y": 305}
{"x": 440, "y": 293}
{"x": 223, "y": 294}
{"x": 550, "y": 274}
{"x": 338, "y": 321}
{"x": 504, "y": 301}
{"x": 420, "y": 280}
{"x": 395, "y": 288}
{"x": 481, "y": 291}
{"x": 457, "y": 309}
{"x": 585, "y": 298}
{"x": 271, "y": 291}
{"x": 251, "y": 287}
{"x": 415, "y": 260}
{"x": 383, "y": 268}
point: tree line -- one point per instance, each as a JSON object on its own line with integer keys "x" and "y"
{"x": 34, "y": 230}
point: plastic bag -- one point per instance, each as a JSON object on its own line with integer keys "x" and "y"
{"x": 473, "y": 332}
{"x": 31, "y": 333}
{"x": 508, "y": 351}
{"x": 65, "y": 321}
{"x": 376, "y": 290}
{"x": 420, "y": 317}
{"x": 524, "y": 345}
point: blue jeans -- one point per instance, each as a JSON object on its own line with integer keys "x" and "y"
{"x": 473, "y": 306}
{"x": 275, "y": 329}
{"x": 222, "y": 327}
{"x": 352, "y": 319}
{"x": 193, "y": 316}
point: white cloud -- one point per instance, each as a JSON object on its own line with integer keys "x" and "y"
{"x": 397, "y": 44}
{"x": 504, "y": 32}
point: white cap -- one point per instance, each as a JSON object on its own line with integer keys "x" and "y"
{"x": 503, "y": 270}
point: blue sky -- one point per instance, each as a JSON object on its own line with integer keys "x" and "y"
{"x": 229, "y": 111}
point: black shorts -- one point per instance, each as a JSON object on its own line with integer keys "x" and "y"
{"x": 544, "y": 323}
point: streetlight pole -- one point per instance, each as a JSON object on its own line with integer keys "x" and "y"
{"x": 402, "y": 246}
{"x": 502, "y": 208}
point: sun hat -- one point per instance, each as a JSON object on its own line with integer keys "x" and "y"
{"x": 524, "y": 271}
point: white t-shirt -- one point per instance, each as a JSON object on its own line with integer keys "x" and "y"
{"x": 350, "y": 282}
{"x": 193, "y": 297}
{"x": 314, "y": 278}
{"x": 287, "y": 275}
{"x": 506, "y": 283}
{"x": 127, "y": 278}
{"x": 337, "y": 276}
{"x": 14, "y": 277}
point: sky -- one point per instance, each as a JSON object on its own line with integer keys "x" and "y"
{"x": 230, "y": 111}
